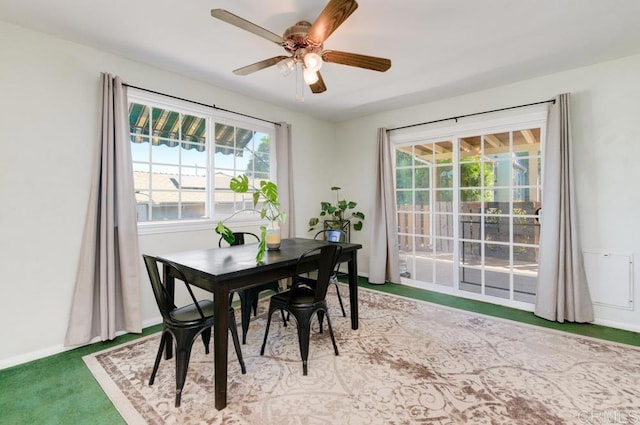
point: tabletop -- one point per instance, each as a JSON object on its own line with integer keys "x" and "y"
{"x": 237, "y": 265}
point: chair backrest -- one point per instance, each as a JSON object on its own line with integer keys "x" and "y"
{"x": 325, "y": 263}
{"x": 331, "y": 235}
{"x": 165, "y": 304}
{"x": 239, "y": 238}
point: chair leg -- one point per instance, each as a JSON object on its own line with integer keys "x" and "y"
{"x": 255, "y": 295}
{"x": 254, "y": 307}
{"x": 304, "y": 329}
{"x": 334, "y": 280}
{"x": 182, "y": 364}
{"x": 206, "y": 338}
{"x": 266, "y": 331}
{"x": 236, "y": 342}
{"x": 163, "y": 341}
{"x": 320, "y": 319}
{"x": 333, "y": 339}
{"x": 245, "y": 313}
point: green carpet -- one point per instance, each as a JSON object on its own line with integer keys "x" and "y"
{"x": 60, "y": 389}
{"x": 587, "y": 329}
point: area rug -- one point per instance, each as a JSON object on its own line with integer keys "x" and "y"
{"x": 410, "y": 362}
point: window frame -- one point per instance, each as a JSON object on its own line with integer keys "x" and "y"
{"x": 212, "y": 116}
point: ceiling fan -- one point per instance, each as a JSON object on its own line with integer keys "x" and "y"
{"x": 304, "y": 41}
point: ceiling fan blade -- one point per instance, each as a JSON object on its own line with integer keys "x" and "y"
{"x": 334, "y": 14}
{"x": 354, "y": 59}
{"x": 318, "y": 86}
{"x": 242, "y": 23}
{"x": 246, "y": 70}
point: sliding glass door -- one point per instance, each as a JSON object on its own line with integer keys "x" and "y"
{"x": 467, "y": 208}
{"x": 499, "y": 194}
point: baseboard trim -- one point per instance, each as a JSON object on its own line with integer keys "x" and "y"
{"x": 60, "y": 348}
{"x": 33, "y": 355}
{"x": 617, "y": 325}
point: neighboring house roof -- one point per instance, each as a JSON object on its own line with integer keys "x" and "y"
{"x": 165, "y": 188}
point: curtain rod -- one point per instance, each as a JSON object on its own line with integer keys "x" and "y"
{"x": 470, "y": 115}
{"x": 201, "y": 104}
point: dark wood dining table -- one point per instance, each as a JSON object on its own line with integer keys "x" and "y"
{"x": 222, "y": 270}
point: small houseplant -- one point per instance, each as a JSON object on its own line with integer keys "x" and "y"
{"x": 267, "y": 197}
{"x": 338, "y": 215}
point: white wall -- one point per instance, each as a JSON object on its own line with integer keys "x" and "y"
{"x": 48, "y": 111}
{"x": 605, "y": 114}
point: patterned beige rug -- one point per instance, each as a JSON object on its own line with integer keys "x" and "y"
{"x": 410, "y": 362}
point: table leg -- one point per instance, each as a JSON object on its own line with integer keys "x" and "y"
{"x": 220, "y": 344}
{"x": 353, "y": 289}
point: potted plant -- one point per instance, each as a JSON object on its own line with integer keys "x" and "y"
{"x": 338, "y": 215}
{"x": 267, "y": 197}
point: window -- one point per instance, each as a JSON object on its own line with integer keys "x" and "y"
{"x": 467, "y": 199}
{"x": 184, "y": 157}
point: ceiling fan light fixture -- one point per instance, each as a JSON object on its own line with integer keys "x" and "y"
{"x": 310, "y": 76}
{"x": 304, "y": 41}
{"x": 313, "y": 61}
{"x": 286, "y": 66}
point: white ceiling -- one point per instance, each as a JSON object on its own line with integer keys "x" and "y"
{"x": 438, "y": 48}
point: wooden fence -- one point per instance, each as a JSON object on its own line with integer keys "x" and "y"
{"x": 435, "y": 224}
{"x": 442, "y": 226}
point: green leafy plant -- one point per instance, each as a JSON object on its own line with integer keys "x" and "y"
{"x": 338, "y": 212}
{"x": 267, "y": 197}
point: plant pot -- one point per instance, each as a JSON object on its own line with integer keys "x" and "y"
{"x": 344, "y": 225}
{"x": 273, "y": 239}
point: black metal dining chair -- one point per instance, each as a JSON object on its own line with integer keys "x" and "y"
{"x": 337, "y": 236}
{"x": 184, "y": 324}
{"x": 248, "y": 297}
{"x": 306, "y": 298}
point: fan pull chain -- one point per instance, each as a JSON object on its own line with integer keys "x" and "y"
{"x": 302, "y": 84}
{"x": 296, "y": 98}
{"x": 299, "y": 82}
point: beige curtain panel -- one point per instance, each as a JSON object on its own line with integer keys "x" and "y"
{"x": 284, "y": 180}
{"x": 562, "y": 291}
{"x": 383, "y": 251}
{"x": 106, "y": 298}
